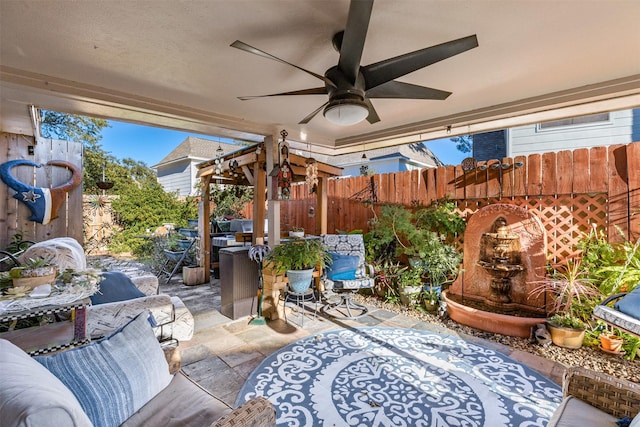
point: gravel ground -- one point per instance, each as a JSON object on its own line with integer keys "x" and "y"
{"x": 591, "y": 358}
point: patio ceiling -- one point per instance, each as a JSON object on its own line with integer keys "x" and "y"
{"x": 168, "y": 63}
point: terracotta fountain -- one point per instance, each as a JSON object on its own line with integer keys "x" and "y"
{"x": 504, "y": 255}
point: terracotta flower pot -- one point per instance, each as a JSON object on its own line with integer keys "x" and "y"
{"x": 611, "y": 342}
{"x": 566, "y": 337}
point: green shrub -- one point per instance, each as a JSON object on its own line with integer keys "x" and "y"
{"x": 143, "y": 207}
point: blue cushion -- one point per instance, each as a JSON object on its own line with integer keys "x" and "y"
{"x": 342, "y": 264}
{"x": 116, "y": 376}
{"x": 345, "y": 275}
{"x": 630, "y": 303}
{"x": 115, "y": 286}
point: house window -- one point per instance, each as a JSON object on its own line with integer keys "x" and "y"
{"x": 575, "y": 121}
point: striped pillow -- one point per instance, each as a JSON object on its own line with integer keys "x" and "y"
{"x": 114, "y": 377}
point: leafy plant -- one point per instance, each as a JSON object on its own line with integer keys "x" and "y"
{"x": 441, "y": 218}
{"x": 631, "y": 346}
{"x": 146, "y": 207}
{"x": 387, "y": 277}
{"x": 33, "y": 267}
{"x": 397, "y": 231}
{"x": 440, "y": 261}
{"x": 299, "y": 254}
{"x": 411, "y": 277}
{"x": 622, "y": 276}
{"x": 566, "y": 321}
{"x": 596, "y": 251}
{"x": 18, "y": 244}
{"x": 229, "y": 200}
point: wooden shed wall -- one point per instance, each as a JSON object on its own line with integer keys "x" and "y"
{"x": 14, "y": 214}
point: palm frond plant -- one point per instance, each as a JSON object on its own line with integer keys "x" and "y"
{"x": 571, "y": 289}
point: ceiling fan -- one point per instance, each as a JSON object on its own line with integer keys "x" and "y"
{"x": 351, "y": 86}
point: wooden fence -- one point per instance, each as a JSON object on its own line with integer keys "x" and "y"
{"x": 571, "y": 191}
{"x": 98, "y": 223}
{"x": 14, "y": 217}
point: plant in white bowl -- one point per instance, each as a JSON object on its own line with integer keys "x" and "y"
{"x": 34, "y": 272}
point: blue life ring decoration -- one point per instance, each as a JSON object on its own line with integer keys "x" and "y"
{"x": 42, "y": 202}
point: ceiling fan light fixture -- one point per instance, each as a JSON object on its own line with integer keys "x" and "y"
{"x": 346, "y": 112}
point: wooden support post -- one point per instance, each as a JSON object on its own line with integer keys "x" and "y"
{"x": 322, "y": 206}
{"x": 204, "y": 228}
{"x": 259, "y": 198}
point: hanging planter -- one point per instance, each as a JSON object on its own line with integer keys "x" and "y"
{"x": 104, "y": 185}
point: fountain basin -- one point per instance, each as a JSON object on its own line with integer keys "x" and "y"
{"x": 501, "y": 271}
{"x": 490, "y": 322}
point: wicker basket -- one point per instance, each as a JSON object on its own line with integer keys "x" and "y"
{"x": 615, "y": 396}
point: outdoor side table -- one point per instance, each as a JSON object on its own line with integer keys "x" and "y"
{"x": 50, "y": 337}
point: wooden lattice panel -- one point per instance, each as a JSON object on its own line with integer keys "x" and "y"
{"x": 566, "y": 218}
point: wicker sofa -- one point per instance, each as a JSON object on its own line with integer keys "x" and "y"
{"x": 596, "y": 399}
{"x": 122, "y": 380}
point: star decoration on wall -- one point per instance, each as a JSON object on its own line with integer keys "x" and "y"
{"x": 30, "y": 196}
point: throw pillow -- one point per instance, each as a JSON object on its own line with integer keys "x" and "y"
{"x": 32, "y": 396}
{"x": 115, "y": 286}
{"x": 630, "y": 303}
{"x": 636, "y": 421}
{"x": 340, "y": 264}
{"x": 114, "y": 377}
{"x": 344, "y": 275}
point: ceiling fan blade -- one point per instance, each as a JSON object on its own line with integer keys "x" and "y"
{"x": 373, "y": 115}
{"x": 312, "y": 91}
{"x": 312, "y": 115}
{"x": 247, "y": 48}
{"x": 392, "y": 68}
{"x": 353, "y": 39}
{"x": 394, "y": 89}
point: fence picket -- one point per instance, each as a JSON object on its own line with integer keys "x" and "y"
{"x": 618, "y": 193}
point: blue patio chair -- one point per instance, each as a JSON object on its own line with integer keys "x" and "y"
{"x": 347, "y": 274}
{"x": 619, "y": 316}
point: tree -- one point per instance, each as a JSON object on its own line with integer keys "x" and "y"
{"x": 71, "y": 127}
{"x": 464, "y": 143}
{"x": 85, "y": 130}
{"x": 97, "y": 162}
{"x": 143, "y": 204}
{"x": 146, "y": 206}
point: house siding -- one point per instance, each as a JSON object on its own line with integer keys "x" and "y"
{"x": 177, "y": 178}
{"x": 622, "y": 128}
{"x": 490, "y": 145}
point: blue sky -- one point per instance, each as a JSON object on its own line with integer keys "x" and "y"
{"x": 150, "y": 145}
{"x": 142, "y": 143}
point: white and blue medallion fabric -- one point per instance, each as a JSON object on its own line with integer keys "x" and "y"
{"x": 376, "y": 376}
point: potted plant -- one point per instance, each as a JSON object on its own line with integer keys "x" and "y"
{"x": 410, "y": 285}
{"x": 430, "y": 298}
{"x": 299, "y": 258}
{"x": 33, "y": 273}
{"x": 296, "y": 232}
{"x": 611, "y": 342}
{"x": 571, "y": 288}
{"x": 387, "y": 276}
